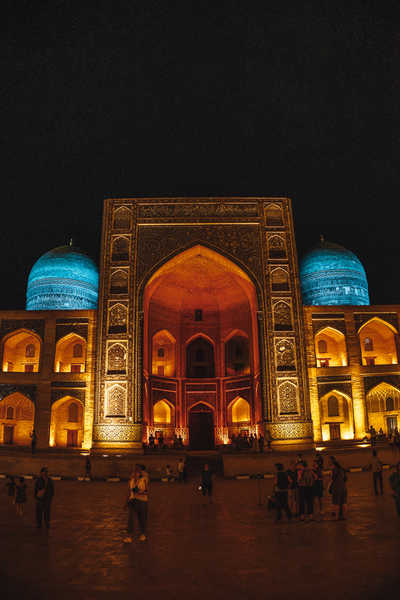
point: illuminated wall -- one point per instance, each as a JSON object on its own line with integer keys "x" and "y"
{"x": 16, "y": 419}
{"x": 63, "y": 279}
{"x": 332, "y": 275}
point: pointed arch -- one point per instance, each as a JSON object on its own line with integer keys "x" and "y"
{"x": 330, "y": 348}
{"x": 120, "y": 248}
{"x": 273, "y": 215}
{"x": 239, "y": 411}
{"x": 336, "y": 415}
{"x": 279, "y": 280}
{"x": 378, "y": 342}
{"x": 163, "y": 412}
{"x": 21, "y": 351}
{"x": 119, "y": 282}
{"x": 122, "y": 217}
{"x": 66, "y": 422}
{"x": 70, "y": 354}
{"x": 163, "y": 354}
{"x": 17, "y": 414}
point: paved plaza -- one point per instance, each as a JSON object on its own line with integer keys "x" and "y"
{"x": 229, "y": 549}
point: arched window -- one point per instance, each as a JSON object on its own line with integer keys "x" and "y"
{"x": 322, "y": 346}
{"x": 77, "y": 351}
{"x": 30, "y": 351}
{"x": 73, "y": 413}
{"x": 161, "y": 412}
{"x": 10, "y": 412}
{"x": 389, "y": 403}
{"x": 237, "y": 356}
{"x": 273, "y": 213}
{"x": 333, "y": 406}
{"x": 279, "y": 280}
{"x": 200, "y": 359}
{"x": 119, "y": 282}
{"x": 368, "y": 344}
{"x": 240, "y": 411}
{"x": 122, "y": 218}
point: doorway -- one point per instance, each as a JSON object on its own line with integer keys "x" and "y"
{"x": 201, "y": 428}
{"x": 8, "y": 434}
{"x": 72, "y": 437}
{"x": 334, "y": 431}
{"x": 391, "y": 424}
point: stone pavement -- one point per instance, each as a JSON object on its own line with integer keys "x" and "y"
{"x": 230, "y": 549}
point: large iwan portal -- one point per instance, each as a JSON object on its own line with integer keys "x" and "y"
{"x": 201, "y": 356}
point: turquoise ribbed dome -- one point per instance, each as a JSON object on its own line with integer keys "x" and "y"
{"x": 330, "y": 274}
{"x": 63, "y": 279}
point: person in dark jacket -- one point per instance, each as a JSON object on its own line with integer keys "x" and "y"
{"x": 44, "y": 492}
{"x": 206, "y": 482}
{"x": 281, "y": 492}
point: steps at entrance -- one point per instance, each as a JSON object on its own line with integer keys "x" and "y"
{"x": 195, "y": 460}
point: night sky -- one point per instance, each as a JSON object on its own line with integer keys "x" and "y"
{"x": 133, "y": 98}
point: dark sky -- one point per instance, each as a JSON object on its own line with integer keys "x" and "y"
{"x": 207, "y": 97}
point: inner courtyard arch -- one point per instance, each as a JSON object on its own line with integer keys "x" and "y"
{"x": 17, "y": 413}
{"x": 378, "y": 343}
{"x": 200, "y": 341}
{"x": 66, "y": 424}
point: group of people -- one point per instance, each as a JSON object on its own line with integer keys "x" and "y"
{"x": 43, "y": 494}
{"x": 160, "y": 444}
{"x": 251, "y": 442}
{"x": 379, "y": 436}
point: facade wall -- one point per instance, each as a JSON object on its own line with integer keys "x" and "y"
{"x": 45, "y": 387}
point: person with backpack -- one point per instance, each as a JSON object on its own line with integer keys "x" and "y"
{"x": 305, "y": 482}
{"x": 394, "y": 481}
{"x": 338, "y": 489}
{"x": 281, "y": 493}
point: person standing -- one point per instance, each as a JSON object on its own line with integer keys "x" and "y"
{"x": 281, "y": 493}
{"x": 33, "y": 441}
{"x": 293, "y": 491}
{"x": 88, "y": 468}
{"x": 206, "y": 482}
{"x": 20, "y": 496}
{"x": 181, "y": 470}
{"x": 10, "y": 484}
{"x": 306, "y": 480}
{"x": 261, "y": 443}
{"x": 44, "y": 492}
{"x": 268, "y": 439}
{"x": 318, "y": 485}
{"x": 376, "y": 466}
{"x": 338, "y": 489}
{"x": 137, "y": 503}
{"x": 394, "y": 481}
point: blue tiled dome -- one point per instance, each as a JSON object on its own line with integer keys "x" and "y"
{"x": 63, "y": 279}
{"x": 330, "y": 274}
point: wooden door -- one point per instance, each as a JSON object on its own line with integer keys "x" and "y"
{"x": 72, "y": 437}
{"x": 201, "y": 428}
{"x": 334, "y": 431}
{"x": 8, "y": 434}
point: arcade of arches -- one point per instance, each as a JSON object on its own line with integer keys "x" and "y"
{"x": 200, "y": 348}
{"x": 21, "y": 352}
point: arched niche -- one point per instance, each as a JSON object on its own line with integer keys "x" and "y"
{"x": 239, "y": 412}
{"x": 273, "y": 215}
{"x": 336, "y": 413}
{"x": 116, "y": 358}
{"x": 17, "y": 413}
{"x": 21, "y": 351}
{"x": 70, "y": 355}
{"x": 163, "y": 354}
{"x": 378, "y": 343}
{"x": 117, "y": 318}
{"x": 200, "y": 358}
{"x": 162, "y": 413}
{"x": 279, "y": 280}
{"x": 122, "y": 217}
{"x": 282, "y": 315}
{"x": 237, "y": 355}
{"x": 120, "y": 249}
{"x": 66, "y": 423}
{"x": 330, "y": 348}
{"x": 276, "y": 247}
{"x": 119, "y": 282}
{"x": 383, "y": 407}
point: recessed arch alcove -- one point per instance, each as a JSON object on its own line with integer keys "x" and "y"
{"x": 195, "y": 303}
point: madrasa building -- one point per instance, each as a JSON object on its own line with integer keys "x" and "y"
{"x": 199, "y": 323}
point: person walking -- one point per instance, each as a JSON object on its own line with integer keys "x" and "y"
{"x": 394, "y": 481}
{"x": 137, "y": 503}
{"x": 376, "y": 466}
{"x": 338, "y": 489}
{"x": 207, "y": 483}
{"x": 20, "y": 496}
{"x": 33, "y": 441}
{"x": 281, "y": 485}
{"x": 44, "y": 493}
{"x": 306, "y": 480}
